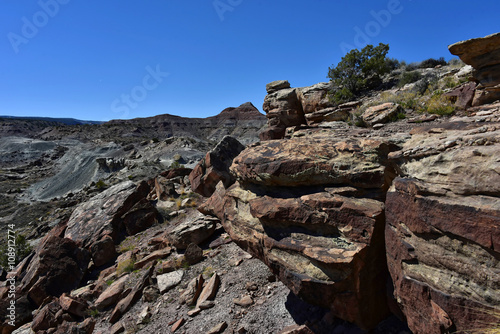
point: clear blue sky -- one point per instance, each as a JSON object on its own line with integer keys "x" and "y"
{"x": 102, "y": 60}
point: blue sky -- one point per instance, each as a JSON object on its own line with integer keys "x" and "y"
{"x": 101, "y": 60}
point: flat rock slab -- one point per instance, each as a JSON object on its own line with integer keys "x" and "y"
{"x": 170, "y": 280}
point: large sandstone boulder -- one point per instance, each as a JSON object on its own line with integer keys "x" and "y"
{"x": 283, "y": 108}
{"x": 215, "y": 167}
{"x": 308, "y": 208}
{"x": 443, "y": 228}
{"x": 276, "y": 86}
{"x": 484, "y": 55}
{"x": 382, "y": 113}
{"x": 98, "y": 224}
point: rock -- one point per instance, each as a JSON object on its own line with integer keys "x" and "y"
{"x": 215, "y": 167}
{"x": 207, "y": 304}
{"x": 73, "y": 305}
{"x": 85, "y": 327}
{"x": 94, "y": 222}
{"x": 318, "y": 159}
{"x": 140, "y": 217}
{"x": 144, "y": 316}
{"x": 217, "y": 329}
{"x": 272, "y": 132}
{"x": 317, "y": 106}
{"x": 177, "y": 324}
{"x": 463, "y": 95}
{"x": 156, "y": 255}
{"x": 176, "y": 172}
{"x": 169, "y": 280}
{"x": 296, "y": 329}
{"x": 193, "y": 291}
{"x": 46, "y": 317}
{"x": 244, "y": 301}
{"x": 110, "y": 165}
{"x": 382, "y": 113}
{"x": 193, "y": 254}
{"x": 164, "y": 189}
{"x": 442, "y": 234}
{"x": 484, "y": 55}
{"x": 194, "y": 232}
{"x": 117, "y": 328}
{"x": 103, "y": 250}
{"x": 112, "y": 294}
{"x": 194, "y": 312}
{"x": 251, "y": 286}
{"x": 283, "y": 109}
{"x": 150, "y": 294}
{"x": 125, "y": 304}
{"x": 277, "y": 85}
{"x": 210, "y": 290}
{"x": 57, "y": 266}
{"x": 292, "y": 208}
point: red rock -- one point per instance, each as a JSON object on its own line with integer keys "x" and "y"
{"x": 126, "y": 303}
{"x": 112, "y": 294}
{"x": 463, "y": 95}
{"x": 283, "y": 108}
{"x": 210, "y": 290}
{"x": 57, "y": 266}
{"x": 215, "y": 167}
{"x": 73, "y": 305}
{"x": 296, "y": 329}
{"x": 116, "y": 210}
{"x": 156, "y": 255}
{"x": 177, "y": 324}
{"x": 46, "y": 317}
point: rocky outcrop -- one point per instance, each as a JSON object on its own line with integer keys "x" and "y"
{"x": 310, "y": 208}
{"x": 443, "y": 227}
{"x": 287, "y": 107}
{"x": 336, "y": 212}
{"x": 382, "y": 113}
{"x": 484, "y": 55}
{"x": 99, "y": 223}
{"x": 215, "y": 167}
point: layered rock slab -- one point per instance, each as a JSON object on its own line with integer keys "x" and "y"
{"x": 298, "y": 205}
{"x": 443, "y": 228}
{"x": 484, "y": 55}
{"x": 98, "y": 224}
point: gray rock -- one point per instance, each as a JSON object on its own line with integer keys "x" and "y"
{"x": 277, "y": 85}
{"x": 194, "y": 232}
{"x": 170, "y": 280}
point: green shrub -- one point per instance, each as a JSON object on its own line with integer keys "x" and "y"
{"x": 357, "y": 72}
{"x": 101, "y": 184}
{"x": 439, "y": 105}
{"x": 126, "y": 266}
{"x": 431, "y": 63}
{"x": 409, "y": 77}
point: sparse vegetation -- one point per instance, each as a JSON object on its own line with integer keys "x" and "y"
{"x": 176, "y": 164}
{"x": 22, "y": 249}
{"x": 357, "y": 72}
{"x": 409, "y": 77}
{"x": 431, "y": 63}
{"x": 439, "y": 105}
{"x": 126, "y": 266}
{"x": 101, "y": 184}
